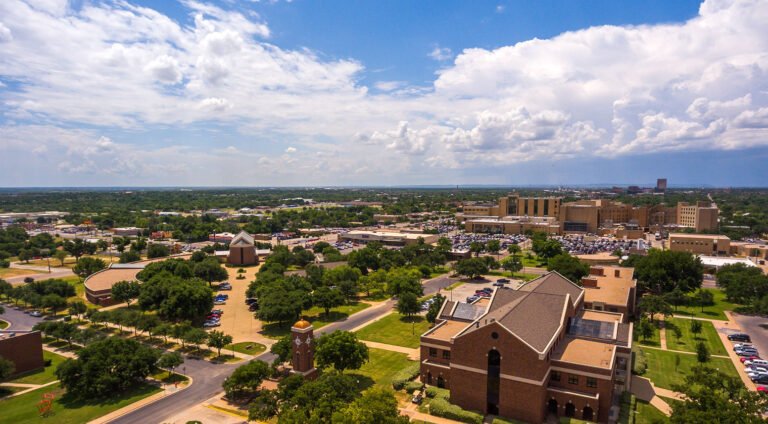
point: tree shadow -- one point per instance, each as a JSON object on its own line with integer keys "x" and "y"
{"x": 363, "y": 381}
{"x": 72, "y": 401}
{"x": 413, "y": 319}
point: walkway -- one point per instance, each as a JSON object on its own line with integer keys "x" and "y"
{"x": 412, "y": 412}
{"x": 413, "y": 354}
{"x": 644, "y": 389}
{"x": 681, "y": 351}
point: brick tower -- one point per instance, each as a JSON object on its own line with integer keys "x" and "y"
{"x": 303, "y": 355}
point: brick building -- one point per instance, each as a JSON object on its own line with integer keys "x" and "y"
{"x": 529, "y": 353}
{"x": 23, "y": 348}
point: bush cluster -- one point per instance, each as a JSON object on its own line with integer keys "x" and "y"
{"x": 442, "y": 408}
{"x": 405, "y": 375}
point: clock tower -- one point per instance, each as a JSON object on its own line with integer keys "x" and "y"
{"x": 303, "y": 349}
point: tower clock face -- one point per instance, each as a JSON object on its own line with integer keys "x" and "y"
{"x": 297, "y": 341}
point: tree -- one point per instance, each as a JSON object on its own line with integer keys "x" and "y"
{"x": 79, "y": 247}
{"x": 696, "y": 327}
{"x": 129, "y": 256}
{"x": 702, "y": 353}
{"x": 340, "y": 350}
{"x": 196, "y": 337}
{"x": 126, "y": 291}
{"x": 176, "y": 299}
{"x": 704, "y": 298}
{"x": 77, "y": 308}
{"x": 246, "y": 378}
{"x": 547, "y": 249}
{"x": 653, "y": 304}
{"x": 493, "y": 246}
{"x": 7, "y": 368}
{"x": 568, "y": 266}
{"x": 742, "y": 284}
{"x": 364, "y": 259}
{"x": 345, "y": 278}
{"x": 61, "y": 256}
{"x": 25, "y": 255}
{"x": 434, "y": 308}
{"x": 264, "y": 406}
{"x": 54, "y": 302}
{"x": 87, "y": 266}
{"x": 376, "y": 406}
{"x": 663, "y": 270}
{"x": 164, "y": 330}
{"x": 711, "y": 396}
{"x": 170, "y": 361}
{"x": 210, "y": 270}
{"x": 282, "y": 348}
{"x": 148, "y": 323}
{"x": 217, "y": 340}
{"x": 476, "y": 247}
{"x": 512, "y": 263}
{"x": 472, "y": 267}
{"x": 646, "y": 329}
{"x": 320, "y": 246}
{"x": 408, "y": 304}
{"x": 157, "y": 250}
{"x": 281, "y": 305}
{"x": 676, "y": 297}
{"x": 403, "y": 280}
{"x": 514, "y": 249}
{"x": 107, "y": 367}
{"x": 5, "y": 289}
{"x": 678, "y": 332}
{"x": 327, "y": 298}
{"x": 316, "y": 401}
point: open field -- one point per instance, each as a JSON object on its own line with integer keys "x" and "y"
{"x": 15, "y": 272}
{"x": 711, "y": 312}
{"x": 654, "y": 340}
{"x": 381, "y": 368}
{"x": 243, "y": 347}
{"x": 395, "y": 329}
{"x": 23, "y": 409}
{"x": 688, "y": 341}
{"x": 45, "y": 375}
{"x": 663, "y": 372}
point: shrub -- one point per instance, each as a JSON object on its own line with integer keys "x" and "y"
{"x": 412, "y": 386}
{"x": 437, "y": 393}
{"x": 641, "y": 363}
{"x": 443, "y": 408}
{"x": 405, "y": 375}
{"x": 241, "y": 271}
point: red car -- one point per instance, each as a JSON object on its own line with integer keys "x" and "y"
{"x": 762, "y": 389}
{"x": 748, "y": 358}
{"x": 213, "y": 316}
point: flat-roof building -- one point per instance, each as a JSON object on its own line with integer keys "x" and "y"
{"x": 611, "y": 289}
{"x": 529, "y": 353}
{"x": 387, "y": 238}
{"x": 701, "y": 216}
{"x": 700, "y": 244}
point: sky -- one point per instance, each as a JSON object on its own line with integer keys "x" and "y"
{"x": 430, "y": 92}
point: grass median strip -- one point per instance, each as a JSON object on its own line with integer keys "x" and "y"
{"x": 687, "y": 341}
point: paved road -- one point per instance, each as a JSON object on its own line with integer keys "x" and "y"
{"x": 757, "y": 328}
{"x": 18, "y": 319}
{"x": 55, "y": 273}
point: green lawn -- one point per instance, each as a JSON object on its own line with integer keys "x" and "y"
{"x": 661, "y": 367}
{"x": 381, "y": 368}
{"x": 454, "y": 285}
{"x": 23, "y": 409}
{"x": 636, "y": 411}
{"x": 248, "y": 348}
{"x": 654, "y": 340}
{"x": 316, "y": 316}
{"x": 395, "y": 329}
{"x": 711, "y": 312}
{"x": 3, "y": 325}
{"x": 42, "y": 376}
{"x": 687, "y": 340}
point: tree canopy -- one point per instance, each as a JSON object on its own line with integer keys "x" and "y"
{"x": 340, "y": 350}
{"x": 661, "y": 271}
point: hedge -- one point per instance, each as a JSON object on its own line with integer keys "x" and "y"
{"x": 436, "y": 392}
{"x": 405, "y": 375}
{"x": 412, "y": 386}
{"x": 442, "y": 408}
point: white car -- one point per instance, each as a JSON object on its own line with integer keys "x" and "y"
{"x": 36, "y": 314}
{"x": 211, "y": 324}
{"x": 755, "y": 369}
{"x": 738, "y": 346}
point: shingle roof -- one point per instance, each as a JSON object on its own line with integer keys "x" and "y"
{"x": 242, "y": 239}
{"x": 553, "y": 283}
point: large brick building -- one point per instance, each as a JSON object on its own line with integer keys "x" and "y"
{"x": 529, "y": 353}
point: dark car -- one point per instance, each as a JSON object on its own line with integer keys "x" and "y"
{"x": 502, "y": 280}
{"x": 740, "y": 337}
{"x": 251, "y": 300}
{"x": 253, "y": 306}
{"x": 762, "y": 379}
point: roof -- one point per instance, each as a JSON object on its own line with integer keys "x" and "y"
{"x": 104, "y": 280}
{"x": 610, "y": 289}
{"x": 717, "y": 261}
{"x": 302, "y": 323}
{"x": 242, "y": 239}
{"x": 447, "y": 330}
{"x": 554, "y": 283}
{"x": 585, "y": 352}
{"x": 699, "y": 236}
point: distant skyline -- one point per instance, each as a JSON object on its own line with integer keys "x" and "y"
{"x": 395, "y": 93}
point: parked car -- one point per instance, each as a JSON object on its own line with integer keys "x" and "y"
{"x": 225, "y": 287}
{"x": 472, "y": 298}
{"x": 755, "y": 368}
{"x": 211, "y": 324}
{"x": 762, "y": 389}
{"x": 251, "y": 300}
{"x": 36, "y": 314}
{"x": 741, "y": 346}
{"x": 253, "y": 307}
{"x": 498, "y": 284}
{"x": 761, "y": 362}
{"x": 502, "y": 280}
{"x": 219, "y": 302}
{"x": 417, "y": 397}
{"x": 217, "y": 311}
{"x": 748, "y": 358}
{"x": 223, "y": 296}
{"x": 747, "y": 351}
{"x": 740, "y": 337}
{"x": 484, "y": 294}
{"x": 763, "y": 379}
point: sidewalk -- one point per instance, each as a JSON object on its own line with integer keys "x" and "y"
{"x": 415, "y": 415}
{"x": 644, "y": 389}
{"x": 412, "y": 353}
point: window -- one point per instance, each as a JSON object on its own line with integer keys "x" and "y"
{"x": 573, "y": 379}
{"x": 432, "y": 352}
{"x": 446, "y": 354}
{"x": 591, "y": 382}
{"x": 555, "y": 376}
{"x": 494, "y": 335}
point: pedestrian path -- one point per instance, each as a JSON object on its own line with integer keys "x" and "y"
{"x": 413, "y": 354}
{"x": 663, "y": 335}
{"x": 645, "y": 390}
{"x": 682, "y": 351}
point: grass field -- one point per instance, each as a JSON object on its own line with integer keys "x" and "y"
{"x": 381, "y": 368}
{"x": 454, "y": 285}
{"x": 661, "y": 367}
{"x": 23, "y": 409}
{"x": 316, "y": 316}
{"x": 395, "y": 329}
{"x": 42, "y": 376}
{"x": 15, "y": 272}
{"x": 636, "y": 411}
{"x": 688, "y": 342}
{"x": 242, "y": 347}
{"x": 654, "y": 340}
{"x": 711, "y": 312}
{"x": 3, "y": 324}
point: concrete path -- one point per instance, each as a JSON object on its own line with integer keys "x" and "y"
{"x": 55, "y": 273}
{"x": 682, "y": 351}
{"x": 31, "y": 389}
{"x": 644, "y": 389}
{"x": 412, "y": 412}
{"x": 663, "y": 335}
{"x": 413, "y": 354}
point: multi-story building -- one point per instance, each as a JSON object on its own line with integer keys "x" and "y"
{"x": 661, "y": 185}
{"x": 612, "y": 289}
{"x": 529, "y": 353}
{"x": 701, "y": 216}
{"x": 700, "y": 244}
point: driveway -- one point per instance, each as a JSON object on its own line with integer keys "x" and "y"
{"x": 18, "y": 319}
{"x": 237, "y": 320}
{"x": 757, "y": 328}
{"x": 55, "y": 273}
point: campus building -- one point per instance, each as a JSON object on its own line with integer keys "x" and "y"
{"x": 387, "y": 238}
{"x": 700, "y": 244}
{"x": 23, "y": 348}
{"x": 701, "y": 216}
{"x": 611, "y": 289}
{"x": 242, "y": 250}
{"x": 98, "y": 286}
{"x": 530, "y": 353}
{"x": 513, "y": 206}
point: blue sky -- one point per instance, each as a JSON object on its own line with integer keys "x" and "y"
{"x": 191, "y": 92}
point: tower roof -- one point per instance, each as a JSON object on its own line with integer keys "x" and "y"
{"x": 302, "y": 323}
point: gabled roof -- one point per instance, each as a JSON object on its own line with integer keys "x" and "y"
{"x": 554, "y": 283}
{"x": 242, "y": 239}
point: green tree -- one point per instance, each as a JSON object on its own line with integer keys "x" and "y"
{"x": 476, "y": 247}
{"x": 702, "y": 352}
{"x": 170, "y": 361}
{"x": 512, "y": 263}
{"x": 654, "y": 304}
{"x": 129, "y": 256}
{"x": 264, "y": 406}
{"x": 77, "y": 308}
{"x": 569, "y": 267}
{"x": 696, "y": 327}
{"x": 246, "y": 379}
{"x": 514, "y": 249}
{"x": 645, "y": 329}
{"x": 404, "y": 280}
{"x": 663, "y": 270}
{"x": 125, "y": 291}
{"x": 434, "y": 308}
{"x": 676, "y": 297}
{"x": 87, "y": 266}
{"x": 79, "y": 247}
{"x": 327, "y": 298}
{"x": 217, "y": 340}
{"x": 408, "y": 304}
{"x": 704, "y": 298}
{"x": 282, "y": 348}
{"x": 25, "y": 255}
{"x": 316, "y": 401}
{"x": 107, "y": 367}
{"x": 742, "y": 284}
{"x": 157, "y": 250}
{"x": 493, "y": 246}
{"x": 547, "y": 249}
{"x": 711, "y": 396}
{"x": 195, "y": 337}
{"x": 472, "y": 267}
{"x": 376, "y": 406}
{"x": 61, "y": 256}
{"x": 340, "y": 350}
{"x": 176, "y": 299}
{"x": 210, "y": 270}
{"x": 54, "y": 302}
